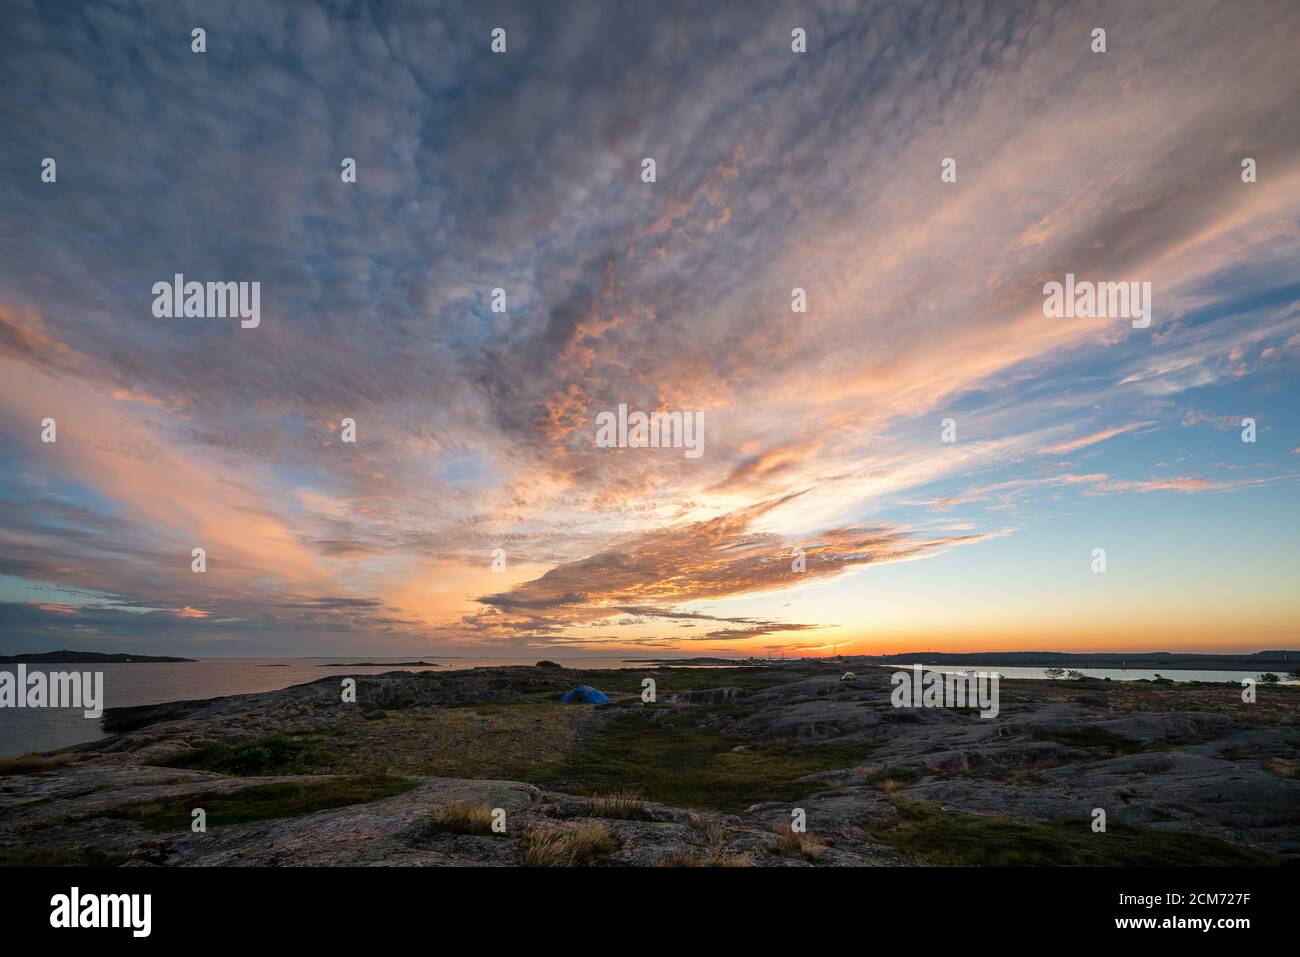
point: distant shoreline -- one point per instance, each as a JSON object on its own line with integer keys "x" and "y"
{"x": 85, "y": 658}
{"x": 1286, "y": 661}
{"x": 1283, "y": 660}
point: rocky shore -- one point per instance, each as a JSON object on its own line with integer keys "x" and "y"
{"x": 487, "y": 767}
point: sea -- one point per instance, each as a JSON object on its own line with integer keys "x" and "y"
{"x": 25, "y": 730}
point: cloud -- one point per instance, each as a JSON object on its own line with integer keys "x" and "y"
{"x": 1073, "y": 445}
{"x": 650, "y": 575}
{"x": 476, "y": 428}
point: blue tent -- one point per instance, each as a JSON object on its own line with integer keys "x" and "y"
{"x": 587, "y": 694}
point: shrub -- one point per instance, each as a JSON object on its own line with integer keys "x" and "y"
{"x": 275, "y": 752}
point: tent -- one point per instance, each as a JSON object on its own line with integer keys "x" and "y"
{"x": 587, "y": 694}
{"x": 849, "y": 676}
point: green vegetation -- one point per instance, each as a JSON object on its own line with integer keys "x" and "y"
{"x": 484, "y": 742}
{"x": 946, "y": 837}
{"x": 26, "y": 856}
{"x": 676, "y": 761}
{"x": 897, "y": 775}
{"x": 675, "y": 680}
{"x": 273, "y": 754}
{"x": 1098, "y": 741}
{"x": 264, "y": 801}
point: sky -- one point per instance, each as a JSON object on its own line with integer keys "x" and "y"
{"x": 476, "y": 513}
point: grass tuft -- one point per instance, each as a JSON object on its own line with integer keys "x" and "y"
{"x": 461, "y": 817}
{"x": 710, "y": 857}
{"x": 566, "y": 845}
{"x": 33, "y": 763}
{"x": 625, "y": 804}
{"x": 792, "y": 843}
{"x": 1283, "y": 767}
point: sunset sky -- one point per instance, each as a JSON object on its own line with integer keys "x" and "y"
{"x": 475, "y": 429}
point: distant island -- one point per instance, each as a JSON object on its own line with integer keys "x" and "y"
{"x": 381, "y": 664}
{"x": 84, "y": 658}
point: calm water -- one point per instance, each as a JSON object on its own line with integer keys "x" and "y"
{"x": 44, "y": 729}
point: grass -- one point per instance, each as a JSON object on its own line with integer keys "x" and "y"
{"x": 792, "y": 843}
{"x": 485, "y": 742}
{"x": 670, "y": 680}
{"x": 890, "y": 779}
{"x": 1096, "y": 741}
{"x": 675, "y": 761}
{"x": 625, "y": 804}
{"x": 946, "y": 837}
{"x": 710, "y": 857}
{"x": 566, "y": 845}
{"x": 713, "y": 854}
{"x": 273, "y": 754}
{"x": 24, "y": 856}
{"x": 461, "y": 817}
{"x": 258, "y": 803}
{"x": 1275, "y": 705}
{"x": 33, "y": 763}
{"x": 1283, "y": 767}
